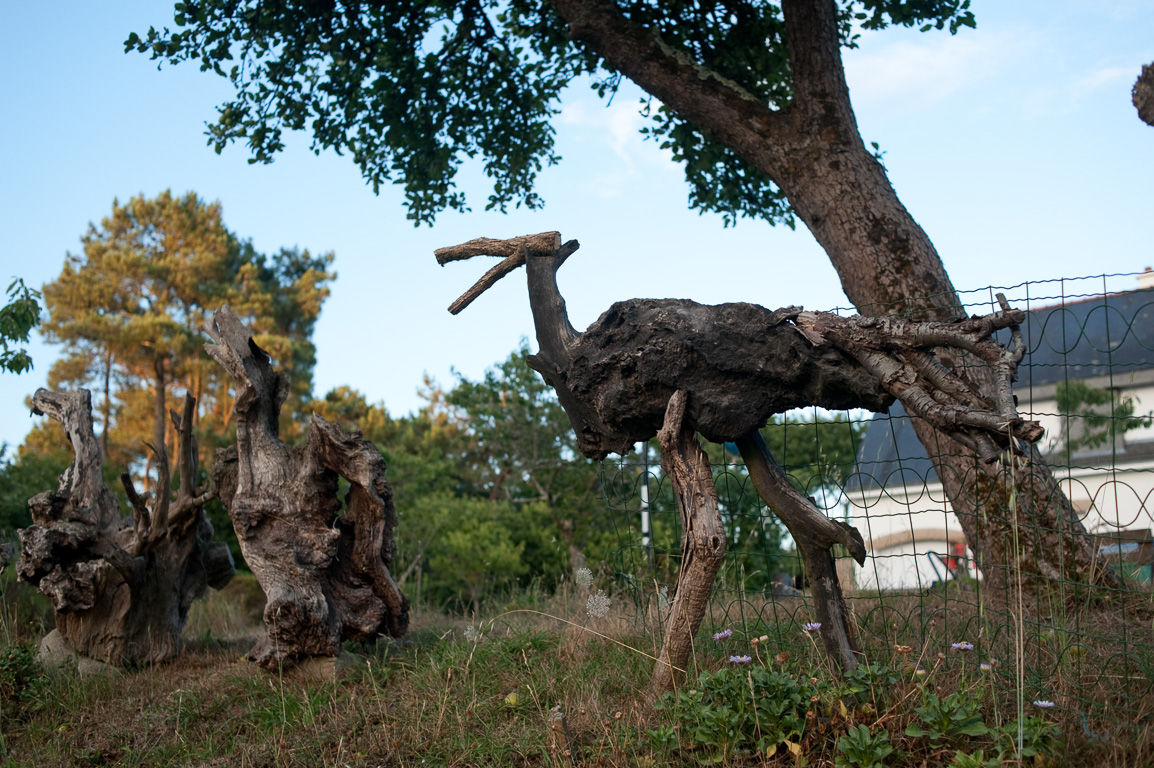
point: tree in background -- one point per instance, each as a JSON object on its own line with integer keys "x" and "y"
{"x": 128, "y": 312}
{"x": 750, "y": 96}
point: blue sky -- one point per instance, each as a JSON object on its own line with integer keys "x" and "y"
{"x": 1015, "y": 145}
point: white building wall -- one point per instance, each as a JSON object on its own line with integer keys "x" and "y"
{"x": 901, "y": 526}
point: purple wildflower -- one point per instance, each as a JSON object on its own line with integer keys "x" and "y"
{"x": 963, "y": 646}
{"x": 746, "y": 660}
{"x": 812, "y": 626}
{"x": 724, "y": 634}
{"x": 986, "y": 667}
{"x": 1043, "y": 703}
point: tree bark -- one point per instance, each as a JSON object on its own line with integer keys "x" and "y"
{"x": 813, "y": 151}
{"x": 1143, "y": 94}
{"x": 121, "y": 591}
{"x": 702, "y": 543}
{"x": 324, "y": 571}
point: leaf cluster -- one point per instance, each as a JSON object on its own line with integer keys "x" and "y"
{"x": 1094, "y": 417}
{"x": 17, "y": 319}
{"x": 738, "y": 710}
{"x": 414, "y": 90}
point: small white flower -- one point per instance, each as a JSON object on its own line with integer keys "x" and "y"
{"x": 663, "y": 599}
{"x": 472, "y": 634}
{"x": 583, "y": 577}
{"x": 597, "y": 605}
{"x": 1043, "y": 703}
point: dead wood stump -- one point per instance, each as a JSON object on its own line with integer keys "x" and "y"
{"x": 121, "y": 587}
{"x": 324, "y": 570}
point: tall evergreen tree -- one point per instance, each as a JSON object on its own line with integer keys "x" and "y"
{"x": 129, "y": 308}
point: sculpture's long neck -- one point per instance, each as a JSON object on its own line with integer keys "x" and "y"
{"x": 555, "y": 334}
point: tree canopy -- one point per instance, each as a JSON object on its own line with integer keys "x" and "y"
{"x": 408, "y": 89}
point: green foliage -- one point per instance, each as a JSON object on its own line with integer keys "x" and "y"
{"x": 129, "y": 310}
{"x": 17, "y": 319}
{"x": 470, "y": 552}
{"x": 976, "y": 759}
{"x": 738, "y": 709}
{"x": 409, "y": 89}
{"x": 1040, "y": 738}
{"x": 862, "y": 748}
{"x": 23, "y": 477}
{"x": 870, "y": 684}
{"x": 948, "y": 719}
{"x": 1095, "y": 417}
{"x": 22, "y": 680}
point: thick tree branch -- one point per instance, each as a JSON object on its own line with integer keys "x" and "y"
{"x": 1143, "y": 94}
{"x": 814, "y": 534}
{"x": 820, "y": 92}
{"x": 714, "y": 104}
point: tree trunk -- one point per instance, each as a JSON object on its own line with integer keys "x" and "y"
{"x": 121, "y": 592}
{"x": 324, "y": 570}
{"x": 813, "y": 151}
{"x": 702, "y": 543}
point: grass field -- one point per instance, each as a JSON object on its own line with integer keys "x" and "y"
{"x": 536, "y": 683}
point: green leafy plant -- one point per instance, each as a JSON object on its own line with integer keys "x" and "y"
{"x": 738, "y": 709}
{"x": 17, "y": 319}
{"x": 948, "y": 719}
{"x": 871, "y": 683}
{"x": 974, "y": 760}
{"x": 21, "y": 679}
{"x": 862, "y": 748}
{"x": 1039, "y": 738}
{"x": 1094, "y": 416}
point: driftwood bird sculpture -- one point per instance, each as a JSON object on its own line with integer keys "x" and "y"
{"x": 673, "y": 367}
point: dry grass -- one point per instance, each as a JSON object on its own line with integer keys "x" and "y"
{"x": 441, "y": 699}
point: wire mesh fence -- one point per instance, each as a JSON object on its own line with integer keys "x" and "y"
{"x": 1088, "y": 377}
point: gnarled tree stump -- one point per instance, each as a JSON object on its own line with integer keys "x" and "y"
{"x": 324, "y": 571}
{"x": 121, "y": 587}
{"x": 732, "y": 367}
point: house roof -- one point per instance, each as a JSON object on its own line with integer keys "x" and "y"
{"x": 1111, "y": 335}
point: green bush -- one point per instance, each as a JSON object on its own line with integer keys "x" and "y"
{"x": 738, "y": 709}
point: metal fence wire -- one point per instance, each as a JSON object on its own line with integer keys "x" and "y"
{"x": 1088, "y": 377}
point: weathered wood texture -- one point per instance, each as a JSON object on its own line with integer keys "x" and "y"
{"x": 121, "y": 587}
{"x": 734, "y": 366}
{"x": 324, "y": 570}
{"x": 1142, "y": 94}
{"x": 702, "y": 543}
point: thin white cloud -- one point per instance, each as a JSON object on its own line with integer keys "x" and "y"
{"x": 617, "y": 126}
{"x": 1105, "y": 77}
{"x": 928, "y": 70}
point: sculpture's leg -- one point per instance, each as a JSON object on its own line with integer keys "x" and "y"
{"x": 702, "y": 543}
{"x": 815, "y": 534}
